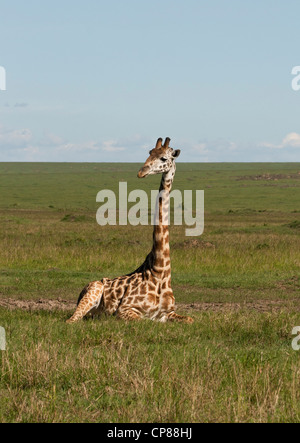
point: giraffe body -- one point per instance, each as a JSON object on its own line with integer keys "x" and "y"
{"x": 146, "y": 292}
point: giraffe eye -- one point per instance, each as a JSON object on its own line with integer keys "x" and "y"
{"x": 163, "y": 159}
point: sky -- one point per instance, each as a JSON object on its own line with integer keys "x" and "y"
{"x": 101, "y": 80}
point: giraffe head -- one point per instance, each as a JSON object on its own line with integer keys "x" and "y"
{"x": 162, "y": 159}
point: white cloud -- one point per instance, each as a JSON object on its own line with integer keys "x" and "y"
{"x": 77, "y": 147}
{"x": 23, "y": 145}
{"x": 21, "y": 105}
{"x": 31, "y": 150}
{"x": 290, "y": 140}
{"x": 202, "y": 148}
{"x": 209, "y": 150}
{"x": 53, "y": 139}
{"x": 19, "y": 137}
{"x": 111, "y": 146}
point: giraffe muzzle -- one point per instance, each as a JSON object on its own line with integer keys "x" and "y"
{"x": 143, "y": 172}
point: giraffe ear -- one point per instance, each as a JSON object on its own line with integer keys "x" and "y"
{"x": 176, "y": 153}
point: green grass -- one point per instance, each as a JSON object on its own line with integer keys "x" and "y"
{"x": 44, "y": 255}
{"x": 228, "y": 186}
{"x": 228, "y": 366}
{"x": 233, "y": 367}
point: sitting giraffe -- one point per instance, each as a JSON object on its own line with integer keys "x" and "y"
{"x": 146, "y": 292}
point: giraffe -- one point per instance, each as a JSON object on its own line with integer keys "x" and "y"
{"x": 146, "y": 292}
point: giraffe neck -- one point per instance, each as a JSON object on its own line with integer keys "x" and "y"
{"x": 161, "y": 248}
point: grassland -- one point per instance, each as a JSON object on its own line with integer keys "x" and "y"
{"x": 239, "y": 280}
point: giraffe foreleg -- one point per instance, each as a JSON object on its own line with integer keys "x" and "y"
{"x": 89, "y": 300}
{"x": 172, "y": 316}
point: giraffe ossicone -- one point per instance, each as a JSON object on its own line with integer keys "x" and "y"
{"x": 146, "y": 292}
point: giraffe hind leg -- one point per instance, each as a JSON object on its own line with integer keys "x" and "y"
{"x": 88, "y": 302}
{"x": 129, "y": 315}
{"x": 172, "y": 316}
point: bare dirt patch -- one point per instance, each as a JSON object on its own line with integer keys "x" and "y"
{"x": 38, "y": 305}
{"x": 66, "y": 305}
{"x": 273, "y": 177}
{"x": 194, "y": 243}
{"x": 290, "y": 284}
{"x": 259, "y": 305}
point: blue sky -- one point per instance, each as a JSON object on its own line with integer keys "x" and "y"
{"x": 101, "y": 80}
